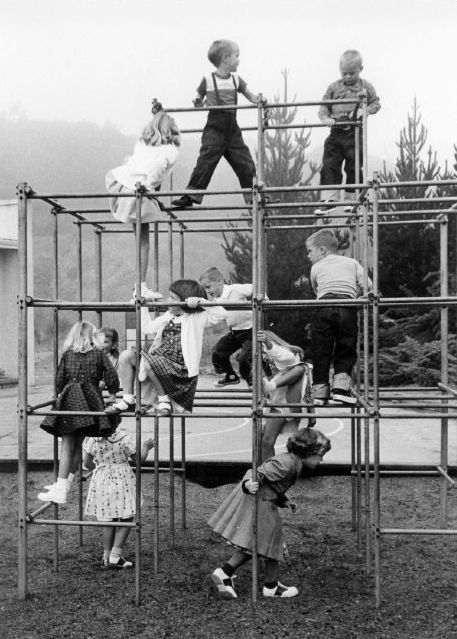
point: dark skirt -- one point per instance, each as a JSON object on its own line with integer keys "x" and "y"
{"x": 173, "y": 378}
{"x": 80, "y": 396}
{"x": 234, "y": 518}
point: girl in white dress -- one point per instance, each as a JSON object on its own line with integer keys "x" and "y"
{"x": 111, "y": 495}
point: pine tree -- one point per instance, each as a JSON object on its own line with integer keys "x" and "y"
{"x": 285, "y": 165}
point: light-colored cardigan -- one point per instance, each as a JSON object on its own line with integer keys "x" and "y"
{"x": 192, "y": 327}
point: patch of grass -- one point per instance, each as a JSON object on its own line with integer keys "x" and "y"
{"x": 336, "y": 599}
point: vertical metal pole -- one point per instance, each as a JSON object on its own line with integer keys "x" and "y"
{"x": 98, "y": 273}
{"x": 22, "y": 391}
{"x": 156, "y": 495}
{"x": 55, "y": 365}
{"x": 80, "y": 315}
{"x": 172, "y": 480}
{"x": 183, "y": 475}
{"x": 376, "y": 482}
{"x": 138, "y": 197}
{"x": 80, "y": 267}
{"x": 156, "y": 256}
{"x": 170, "y": 250}
{"x": 366, "y": 386}
{"x": 357, "y": 157}
{"x": 257, "y": 282}
{"x": 444, "y": 291}
{"x": 364, "y": 141}
{"x": 181, "y": 253}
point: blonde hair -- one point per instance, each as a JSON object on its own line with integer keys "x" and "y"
{"x": 212, "y": 274}
{"x": 351, "y": 55}
{"x": 324, "y": 238}
{"x": 218, "y": 49}
{"x": 82, "y": 338}
{"x": 162, "y": 129}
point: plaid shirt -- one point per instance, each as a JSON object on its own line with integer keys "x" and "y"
{"x": 340, "y": 91}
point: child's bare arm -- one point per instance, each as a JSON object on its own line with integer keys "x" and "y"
{"x": 88, "y": 462}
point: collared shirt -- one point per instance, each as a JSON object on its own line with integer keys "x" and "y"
{"x": 337, "y": 275}
{"x": 237, "y": 320}
{"x": 340, "y": 91}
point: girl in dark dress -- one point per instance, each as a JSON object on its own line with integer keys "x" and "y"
{"x": 233, "y": 520}
{"x": 80, "y": 371}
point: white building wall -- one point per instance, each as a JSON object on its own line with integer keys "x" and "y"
{"x": 9, "y": 287}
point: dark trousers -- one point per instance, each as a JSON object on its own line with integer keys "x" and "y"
{"x": 222, "y": 137}
{"x": 334, "y": 332}
{"x": 229, "y": 344}
{"x": 339, "y": 147}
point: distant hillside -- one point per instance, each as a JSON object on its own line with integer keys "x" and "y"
{"x": 62, "y": 157}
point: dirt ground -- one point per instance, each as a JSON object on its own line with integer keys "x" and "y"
{"x": 336, "y": 599}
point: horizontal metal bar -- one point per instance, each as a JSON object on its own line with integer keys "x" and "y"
{"x": 417, "y": 531}
{"x": 271, "y": 105}
{"x": 69, "y": 522}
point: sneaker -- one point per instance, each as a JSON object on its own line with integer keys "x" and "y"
{"x": 146, "y": 294}
{"x": 324, "y": 208}
{"x": 280, "y": 591}
{"x": 120, "y": 407}
{"x": 120, "y": 563}
{"x": 184, "y": 202}
{"x": 56, "y": 494}
{"x": 104, "y": 563}
{"x": 224, "y": 584}
{"x": 51, "y": 486}
{"x": 163, "y": 408}
{"x": 344, "y": 396}
{"x": 227, "y": 380}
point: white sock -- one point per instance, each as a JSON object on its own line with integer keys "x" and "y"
{"x": 70, "y": 478}
{"x": 115, "y": 554}
{"x": 128, "y": 399}
{"x": 61, "y": 482}
{"x": 163, "y": 398}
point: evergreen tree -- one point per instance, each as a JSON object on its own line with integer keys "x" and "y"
{"x": 285, "y": 165}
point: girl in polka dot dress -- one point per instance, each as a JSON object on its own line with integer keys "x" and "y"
{"x": 111, "y": 495}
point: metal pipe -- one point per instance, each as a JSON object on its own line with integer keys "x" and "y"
{"x": 444, "y": 338}
{"x": 22, "y": 391}
{"x": 98, "y": 273}
{"x": 184, "y": 477}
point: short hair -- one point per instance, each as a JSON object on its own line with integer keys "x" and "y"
{"x": 162, "y": 129}
{"x": 212, "y": 274}
{"x": 113, "y": 335}
{"x": 188, "y": 288}
{"x": 307, "y": 442}
{"x": 81, "y": 338}
{"x": 351, "y": 55}
{"x": 218, "y": 49}
{"x": 324, "y": 238}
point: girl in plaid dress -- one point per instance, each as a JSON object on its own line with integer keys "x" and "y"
{"x": 80, "y": 371}
{"x": 171, "y": 365}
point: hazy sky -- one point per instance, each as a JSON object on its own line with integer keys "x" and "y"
{"x": 103, "y": 60}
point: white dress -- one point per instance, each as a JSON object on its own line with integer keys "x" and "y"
{"x": 111, "y": 492}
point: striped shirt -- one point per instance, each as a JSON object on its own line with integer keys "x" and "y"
{"x": 227, "y": 89}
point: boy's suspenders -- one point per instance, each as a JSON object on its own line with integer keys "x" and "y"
{"x": 216, "y": 89}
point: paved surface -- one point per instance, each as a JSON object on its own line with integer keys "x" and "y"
{"x": 403, "y": 441}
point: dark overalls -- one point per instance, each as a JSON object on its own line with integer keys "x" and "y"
{"x": 222, "y": 137}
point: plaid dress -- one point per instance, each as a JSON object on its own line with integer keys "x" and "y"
{"x": 77, "y": 384}
{"x": 166, "y": 362}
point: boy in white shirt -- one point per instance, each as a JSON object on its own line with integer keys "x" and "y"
{"x": 239, "y": 323}
{"x": 334, "y": 329}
